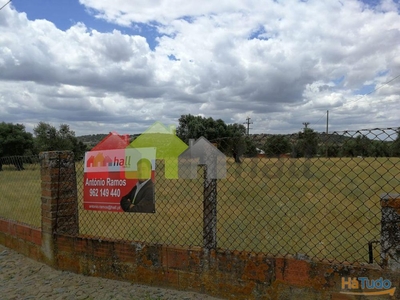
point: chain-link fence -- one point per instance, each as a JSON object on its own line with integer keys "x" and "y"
{"x": 308, "y": 194}
{"x": 20, "y": 189}
{"x": 177, "y": 221}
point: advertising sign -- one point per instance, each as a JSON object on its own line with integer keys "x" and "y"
{"x": 120, "y": 180}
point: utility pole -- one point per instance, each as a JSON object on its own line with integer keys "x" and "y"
{"x": 248, "y": 124}
{"x": 327, "y": 138}
{"x": 327, "y": 119}
{"x": 306, "y": 124}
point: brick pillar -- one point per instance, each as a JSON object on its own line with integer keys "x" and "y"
{"x": 390, "y": 231}
{"x": 59, "y": 199}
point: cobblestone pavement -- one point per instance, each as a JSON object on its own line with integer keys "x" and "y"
{"x": 24, "y": 278}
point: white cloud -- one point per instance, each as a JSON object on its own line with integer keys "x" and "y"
{"x": 283, "y": 63}
{"x": 124, "y": 12}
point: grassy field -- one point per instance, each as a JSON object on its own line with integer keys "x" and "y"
{"x": 20, "y": 194}
{"x": 325, "y": 208}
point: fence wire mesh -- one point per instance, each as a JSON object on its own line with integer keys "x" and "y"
{"x": 20, "y": 189}
{"x": 177, "y": 221}
{"x": 308, "y": 194}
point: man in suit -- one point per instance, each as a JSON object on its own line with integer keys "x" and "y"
{"x": 141, "y": 197}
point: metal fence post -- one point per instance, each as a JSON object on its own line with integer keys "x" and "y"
{"x": 390, "y": 231}
{"x": 209, "y": 212}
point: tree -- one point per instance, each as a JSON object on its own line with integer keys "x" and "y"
{"x": 307, "y": 144}
{"x": 329, "y": 150}
{"x": 348, "y": 148}
{"x": 14, "y": 141}
{"x": 379, "y": 149}
{"x": 276, "y": 145}
{"x": 251, "y": 148}
{"x": 231, "y": 139}
{"x": 45, "y": 137}
{"x": 235, "y": 143}
{"x": 193, "y": 127}
{"x": 362, "y": 144}
{"x": 48, "y": 138}
{"x": 395, "y": 147}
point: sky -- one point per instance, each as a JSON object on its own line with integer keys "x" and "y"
{"x": 102, "y": 66}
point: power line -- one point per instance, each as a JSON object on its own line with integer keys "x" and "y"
{"x": 387, "y": 82}
{"x": 5, "y": 5}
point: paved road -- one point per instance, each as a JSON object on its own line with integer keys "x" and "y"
{"x": 24, "y": 278}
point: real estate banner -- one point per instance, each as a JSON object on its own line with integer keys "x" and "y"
{"x": 120, "y": 180}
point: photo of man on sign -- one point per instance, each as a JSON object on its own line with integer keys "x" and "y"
{"x": 141, "y": 196}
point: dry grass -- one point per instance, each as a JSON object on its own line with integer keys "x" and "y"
{"x": 20, "y": 194}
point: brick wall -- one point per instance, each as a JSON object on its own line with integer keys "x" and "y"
{"x": 22, "y": 238}
{"x": 226, "y": 274}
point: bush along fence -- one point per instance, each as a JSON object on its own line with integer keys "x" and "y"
{"x": 318, "y": 227}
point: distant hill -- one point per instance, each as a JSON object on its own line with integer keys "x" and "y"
{"x": 334, "y": 138}
{"x": 92, "y": 140}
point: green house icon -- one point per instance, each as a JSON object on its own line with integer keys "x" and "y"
{"x": 168, "y": 146}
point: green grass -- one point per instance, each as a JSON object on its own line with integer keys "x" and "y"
{"x": 325, "y": 208}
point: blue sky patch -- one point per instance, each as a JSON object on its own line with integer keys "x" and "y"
{"x": 67, "y": 13}
{"x": 339, "y": 80}
{"x": 366, "y": 89}
{"x": 258, "y": 34}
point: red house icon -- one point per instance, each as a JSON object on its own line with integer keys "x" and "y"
{"x": 90, "y": 162}
{"x": 112, "y": 141}
{"x": 107, "y": 161}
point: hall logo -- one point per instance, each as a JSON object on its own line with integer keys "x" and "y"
{"x": 99, "y": 160}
